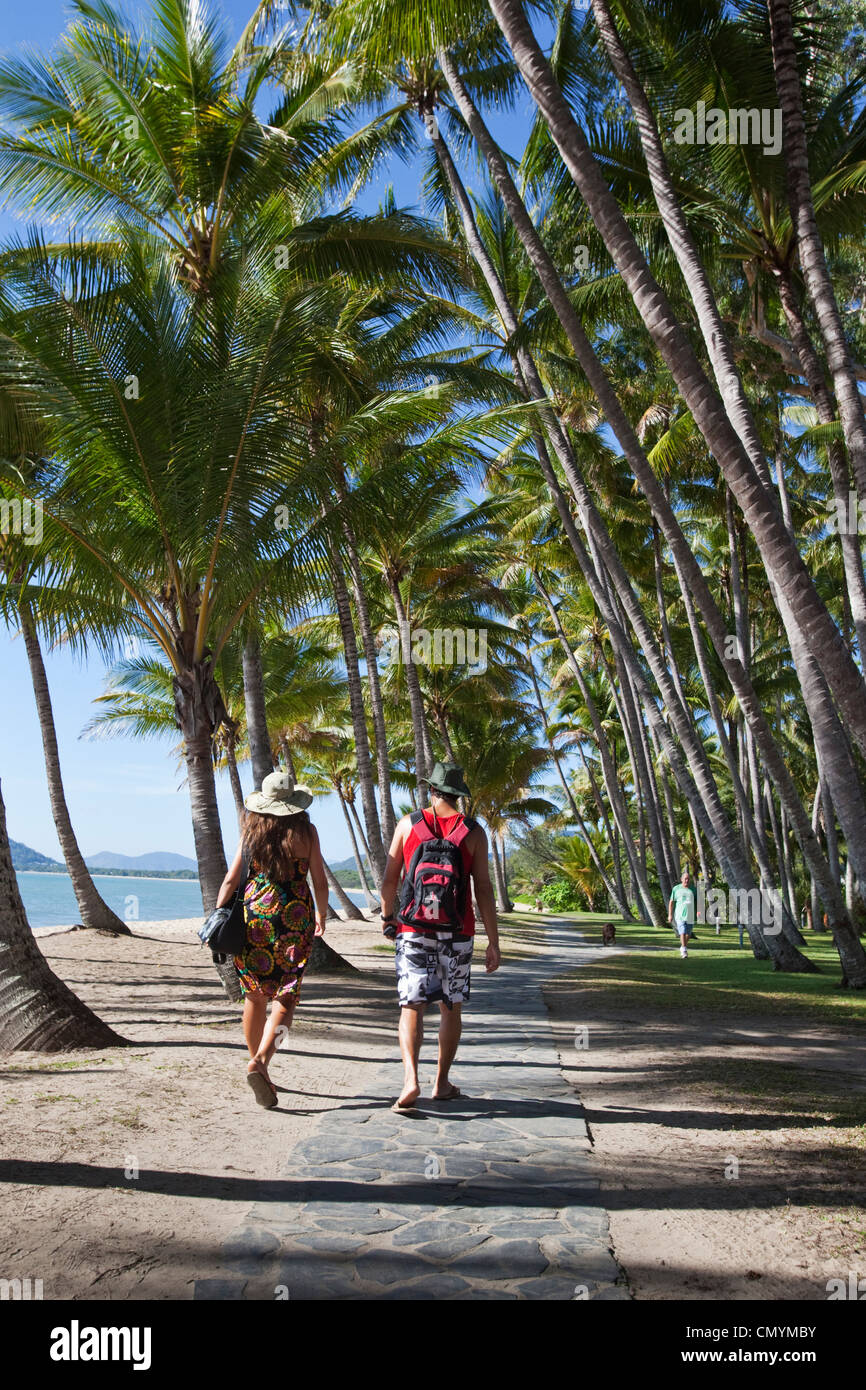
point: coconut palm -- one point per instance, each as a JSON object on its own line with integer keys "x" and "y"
{"x": 152, "y": 520}
{"x": 38, "y": 1012}
{"x": 14, "y": 565}
{"x": 159, "y": 128}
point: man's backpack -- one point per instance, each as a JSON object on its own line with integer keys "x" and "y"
{"x": 433, "y": 896}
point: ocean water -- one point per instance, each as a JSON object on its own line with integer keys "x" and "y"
{"x": 50, "y": 901}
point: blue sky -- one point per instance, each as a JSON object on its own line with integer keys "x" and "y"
{"x": 124, "y": 795}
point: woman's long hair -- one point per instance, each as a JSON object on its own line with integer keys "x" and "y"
{"x": 274, "y": 842}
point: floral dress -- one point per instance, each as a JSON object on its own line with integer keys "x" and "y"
{"x": 281, "y": 924}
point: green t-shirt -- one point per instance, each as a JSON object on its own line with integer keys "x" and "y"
{"x": 684, "y": 900}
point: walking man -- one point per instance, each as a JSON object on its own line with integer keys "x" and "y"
{"x": 439, "y": 852}
{"x": 681, "y": 910}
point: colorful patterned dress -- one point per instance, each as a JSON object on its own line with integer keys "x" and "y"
{"x": 281, "y": 923}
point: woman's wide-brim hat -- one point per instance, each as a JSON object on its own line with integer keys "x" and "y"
{"x": 279, "y": 796}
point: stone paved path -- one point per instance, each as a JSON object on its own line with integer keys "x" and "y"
{"x": 496, "y": 1196}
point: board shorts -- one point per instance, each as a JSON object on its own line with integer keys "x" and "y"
{"x": 432, "y": 968}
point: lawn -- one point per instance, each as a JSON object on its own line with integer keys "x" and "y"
{"x": 718, "y": 974}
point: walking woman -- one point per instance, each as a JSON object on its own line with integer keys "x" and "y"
{"x": 279, "y": 845}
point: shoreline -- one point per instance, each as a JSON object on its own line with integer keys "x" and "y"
{"x": 192, "y": 912}
{"x": 176, "y": 926}
{"x": 142, "y": 878}
{"x": 97, "y": 873}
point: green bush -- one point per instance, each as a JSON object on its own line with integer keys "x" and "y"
{"x": 562, "y": 896}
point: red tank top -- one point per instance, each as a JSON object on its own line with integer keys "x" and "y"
{"x": 446, "y": 824}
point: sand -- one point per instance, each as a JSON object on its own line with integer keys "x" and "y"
{"x": 125, "y": 1170}
{"x": 174, "y": 1109}
{"x": 732, "y": 1150}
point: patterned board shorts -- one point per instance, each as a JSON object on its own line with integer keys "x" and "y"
{"x": 430, "y": 968}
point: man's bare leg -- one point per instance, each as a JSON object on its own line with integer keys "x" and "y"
{"x": 450, "y": 1028}
{"x": 411, "y": 1034}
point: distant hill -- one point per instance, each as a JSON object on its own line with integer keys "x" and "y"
{"x": 349, "y": 864}
{"x": 23, "y": 857}
{"x": 159, "y": 862}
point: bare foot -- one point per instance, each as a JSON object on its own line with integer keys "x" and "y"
{"x": 407, "y": 1098}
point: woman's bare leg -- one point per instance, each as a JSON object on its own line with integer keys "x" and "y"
{"x": 279, "y": 1021}
{"x": 255, "y": 1017}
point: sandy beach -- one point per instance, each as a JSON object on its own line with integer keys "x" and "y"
{"x": 124, "y": 1170}
{"x": 101, "y": 1152}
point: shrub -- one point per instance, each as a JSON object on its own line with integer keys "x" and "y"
{"x": 562, "y": 896}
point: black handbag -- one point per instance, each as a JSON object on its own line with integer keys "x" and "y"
{"x": 225, "y": 930}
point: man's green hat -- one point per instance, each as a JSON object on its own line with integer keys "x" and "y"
{"x": 447, "y": 778}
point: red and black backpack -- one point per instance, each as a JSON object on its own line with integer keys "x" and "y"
{"x": 433, "y": 895}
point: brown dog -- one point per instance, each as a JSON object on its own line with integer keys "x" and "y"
{"x": 608, "y": 934}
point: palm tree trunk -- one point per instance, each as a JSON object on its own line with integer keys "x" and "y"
{"x": 508, "y": 897}
{"x": 235, "y": 780}
{"x": 94, "y": 912}
{"x": 258, "y": 736}
{"x": 699, "y": 845}
{"x": 341, "y": 895}
{"x": 549, "y": 278}
{"x": 702, "y": 791}
{"x": 809, "y": 245}
{"x": 786, "y": 856}
{"x": 672, "y": 848}
{"x": 615, "y": 896}
{"x": 359, "y": 862}
{"x": 499, "y": 880}
{"x": 654, "y": 818}
{"x": 420, "y": 733}
{"x": 787, "y": 889}
{"x": 439, "y": 720}
{"x": 625, "y": 894}
{"x": 788, "y": 573}
{"x": 741, "y": 630}
{"x": 374, "y": 684}
{"x": 813, "y": 375}
{"x": 196, "y": 699}
{"x": 361, "y": 836}
{"x": 38, "y": 1012}
{"x": 289, "y": 761}
{"x": 359, "y": 717}
{"x": 649, "y": 905}
{"x": 199, "y": 711}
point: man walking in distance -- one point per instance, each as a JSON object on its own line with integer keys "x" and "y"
{"x": 439, "y": 852}
{"x": 681, "y": 911}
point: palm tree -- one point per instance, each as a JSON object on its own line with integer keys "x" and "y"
{"x": 258, "y": 737}
{"x": 803, "y": 608}
{"x": 813, "y": 682}
{"x": 94, "y": 912}
{"x": 153, "y": 522}
{"x": 160, "y": 129}
{"x": 502, "y": 763}
{"x": 38, "y": 1012}
{"x": 809, "y": 244}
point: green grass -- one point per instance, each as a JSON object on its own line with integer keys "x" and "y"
{"x": 718, "y": 976}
